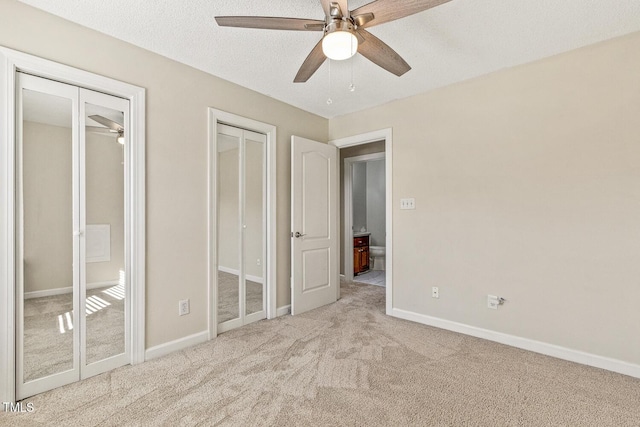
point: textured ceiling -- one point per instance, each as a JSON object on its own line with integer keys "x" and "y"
{"x": 450, "y": 43}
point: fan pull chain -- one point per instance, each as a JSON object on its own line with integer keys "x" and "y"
{"x": 329, "y": 100}
{"x": 352, "y": 87}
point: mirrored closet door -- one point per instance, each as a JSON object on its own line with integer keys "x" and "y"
{"x": 72, "y": 300}
{"x": 241, "y": 214}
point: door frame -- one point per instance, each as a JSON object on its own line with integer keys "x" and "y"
{"x": 10, "y": 62}
{"x": 222, "y": 117}
{"x": 347, "y": 200}
{"x": 365, "y": 138}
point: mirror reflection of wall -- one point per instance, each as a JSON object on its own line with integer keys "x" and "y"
{"x": 47, "y": 246}
{"x": 70, "y": 207}
{"x": 105, "y": 202}
{"x": 105, "y": 250}
{"x": 254, "y": 233}
{"x": 241, "y": 213}
{"x": 228, "y": 227}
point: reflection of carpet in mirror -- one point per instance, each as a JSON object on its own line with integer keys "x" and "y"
{"x": 228, "y": 296}
{"x": 48, "y": 330}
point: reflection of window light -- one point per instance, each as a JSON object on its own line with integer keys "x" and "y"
{"x": 61, "y": 324}
{"x": 69, "y": 321}
{"x": 93, "y": 304}
{"x": 116, "y": 292}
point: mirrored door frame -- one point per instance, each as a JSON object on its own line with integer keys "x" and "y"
{"x": 244, "y": 138}
{"x": 217, "y": 117}
{"x": 77, "y": 322}
{"x": 11, "y": 62}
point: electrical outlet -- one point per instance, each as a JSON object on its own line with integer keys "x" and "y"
{"x": 494, "y": 301}
{"x": 183, "y": 307}
{"x": 435, "y": 292}
{"x": 258, "y": 262}
{"x": 408, "y": 203}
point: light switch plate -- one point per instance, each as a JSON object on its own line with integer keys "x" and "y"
{"x": 409, "y": 203}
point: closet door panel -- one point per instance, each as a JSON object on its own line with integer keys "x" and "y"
{"x": 240, "y": 227}
{"x": 104, "y": 275}
{"x": 47, "y": 223}
{"x": 229, "y": 224}
{"x": 254, "y": 222}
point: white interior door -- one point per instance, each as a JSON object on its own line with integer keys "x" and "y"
{"x": 314, "y": 225}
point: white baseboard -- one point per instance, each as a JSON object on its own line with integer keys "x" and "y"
{"x": 236, "y": 272}
{"x": 284, "y": 310}
{"x": 552, "y": 350}
{"x": 47, "y": 292}
{"x": 67, "y": 290}
{"x": 176, "y": 345}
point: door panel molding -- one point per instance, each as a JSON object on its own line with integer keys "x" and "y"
{"x": 10, "y": 62}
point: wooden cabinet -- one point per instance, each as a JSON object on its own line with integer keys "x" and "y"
{"x": 360, "y": 254}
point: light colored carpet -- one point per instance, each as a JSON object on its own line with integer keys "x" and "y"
{"x": 228, "y": 292}
{"x": 344, "y": 364}
{"x": 48, "y": 330}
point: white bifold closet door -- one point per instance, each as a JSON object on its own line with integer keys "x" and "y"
{"x": 241, "y": 227}
{"x": 72, "y": 298}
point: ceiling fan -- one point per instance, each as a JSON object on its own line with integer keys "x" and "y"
{"x": 110, "y": 127}
{"x": 344, "y": 32}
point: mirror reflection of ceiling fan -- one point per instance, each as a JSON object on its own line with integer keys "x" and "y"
{"x": 111, "y": 127}
{"x": 344, "y": 32}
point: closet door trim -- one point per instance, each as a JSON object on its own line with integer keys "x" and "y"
{"x": 217, "y": 118}
{"x": 10, "y": 62}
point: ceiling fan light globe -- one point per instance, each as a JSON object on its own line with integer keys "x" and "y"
{"x": 120, "y": 139}
{"x": 339, "y": 45}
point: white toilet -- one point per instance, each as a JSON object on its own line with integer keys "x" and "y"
{"x": 376, "y": 255}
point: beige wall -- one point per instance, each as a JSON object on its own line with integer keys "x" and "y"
{"x": 105, "y": 201}
{"x": 228, "y": 208}
{"x": 253, "y": 210}
{"x": 527, "y": 186}
{"x": 48, "y": 199}
{"x": 177, "y": 101}
{"x": 228, "y": 211}
{"x": 48, "y": 245}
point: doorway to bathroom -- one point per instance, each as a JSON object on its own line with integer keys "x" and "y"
{"x": 352, "y": 146}
{"x": 363, "y": 246}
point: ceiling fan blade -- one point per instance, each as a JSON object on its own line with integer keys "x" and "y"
{"x": 378, "y": 52}
{"x": 270, "y": 23}
{"x": 311, "y": 64}
{"x": 97, "y": 129}
{"x": 342, "y": 4}
{"x": 107, "y": 122}
{"x": 390, "y": 10}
